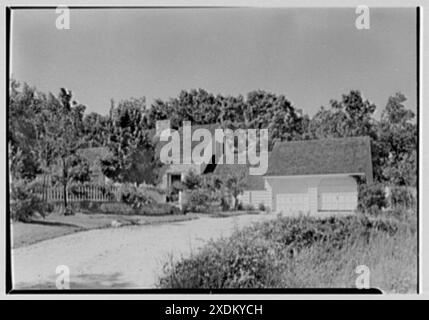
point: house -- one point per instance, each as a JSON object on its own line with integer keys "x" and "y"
{"x": 309, "y": 176}
{"x": 318, "y": 176}
{"x": 170, "y": 173}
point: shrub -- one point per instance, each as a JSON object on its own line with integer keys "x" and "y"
{"x": 150, "y": 209}
{"x": 135, "y": 197}
{"x": 261, "y": 207}
{"x": 25, "y": 202}
{"x": 241, "y": 261}
{"x": 203, "y": 200}
{"x": 402, "y": 197}
{"x": 372, "y": 198}
{"x": 276, "y": 252}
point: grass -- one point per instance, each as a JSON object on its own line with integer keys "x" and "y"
{"x": 56, "y": 225}
{"x": 304, "y": 252}
{"x": 226, "y": 214}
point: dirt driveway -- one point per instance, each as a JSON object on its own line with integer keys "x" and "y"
{"x": 128, "y": 257}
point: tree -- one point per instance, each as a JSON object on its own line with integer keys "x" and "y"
{"x": 65, "y": 130}
{"x": 133, "y": 157}
{"x": 398, "y": 138}
{"x": 235, "y": 185}
{"x": 260, "y": 110}
{"x": 265, "y": 110}
{"x": 350, "y": 117}
{"x": 96, "y": 130}
{"x": 24, "y": 106}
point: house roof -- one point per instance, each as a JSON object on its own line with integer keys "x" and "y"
{"x": 326, "y": 156}
{"x": 253, "y": 182}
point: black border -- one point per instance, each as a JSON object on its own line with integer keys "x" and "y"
{"x": 299, "y": 291}
{"x": 418, "y": 27}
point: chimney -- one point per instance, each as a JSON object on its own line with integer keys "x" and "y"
{"x": 161, "y": 125}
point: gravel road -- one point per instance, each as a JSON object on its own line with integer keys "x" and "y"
{"x": 127, "y": 257}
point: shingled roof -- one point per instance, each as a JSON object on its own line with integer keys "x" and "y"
{"x": 327, "y": 156}
{"x": 253, "y": 182}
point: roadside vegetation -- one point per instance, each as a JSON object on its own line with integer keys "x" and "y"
{"x": 304, "y": 252}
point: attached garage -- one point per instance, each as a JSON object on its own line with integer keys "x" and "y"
{"x": 318, "y": 176}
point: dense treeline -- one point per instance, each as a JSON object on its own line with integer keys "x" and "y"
{"x": 46, "y": 130}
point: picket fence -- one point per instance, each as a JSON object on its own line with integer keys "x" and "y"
{"x": 95, "y": 193}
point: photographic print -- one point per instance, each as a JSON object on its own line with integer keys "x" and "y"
{"x": 193, "y": 149}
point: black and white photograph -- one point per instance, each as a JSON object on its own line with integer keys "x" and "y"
{"x": 212, "y": 149}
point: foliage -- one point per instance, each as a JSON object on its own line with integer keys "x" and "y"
{"x": 135, "y": 197}
{"x": 398, "y": 138}
{"x": 25, "y": 202}
{"x": 192, "y": 180}
{"x": 237, "y": 262}
{"x": 133, "y": 158}
{"x": 270, "y": 254}
{"x": 372, "y": 198}
{"x": 402, "y": 197}
{"x": 235, "y": 185}
{"x": 260, "y": 110}
{"x": 202, "y": 200}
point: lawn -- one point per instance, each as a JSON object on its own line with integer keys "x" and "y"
{"x": 56, "y": 225}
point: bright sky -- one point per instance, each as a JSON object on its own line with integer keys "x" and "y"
{"x": 309, "y": 55}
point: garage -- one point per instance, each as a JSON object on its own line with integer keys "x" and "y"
{"x": 293, "y": 202}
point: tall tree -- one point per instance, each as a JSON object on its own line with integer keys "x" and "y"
{"x": 66, "y": 131}
{"x": 398, "y": 138}
{"x": 133, "y": 158}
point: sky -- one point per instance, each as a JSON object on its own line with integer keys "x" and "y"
{"x": 310, "y": 55}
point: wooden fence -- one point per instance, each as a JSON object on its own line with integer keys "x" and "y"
{"x": 98, "y": 193}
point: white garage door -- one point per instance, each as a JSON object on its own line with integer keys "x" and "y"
{"x": 293, "y": 202}
{"x": 337, "y": 201}
{"x": 337, "y": 194}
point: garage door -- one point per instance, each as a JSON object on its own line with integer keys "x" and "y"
{"x": 337, "y": 194}
{"x": 293, "y": 202}
{"x": 337, "y": 201}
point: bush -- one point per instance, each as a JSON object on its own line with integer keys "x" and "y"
{"x": 237, "y": 262}
{"x": 372, "y": 198}
{"x": 203, "y": 200}
{"x": 135, "y": 197}
{"x": 25, "y": 202}
{"x": 402, "y": 197}
{"x": 270, "y": 254}
{"x": 261, "y": 207}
